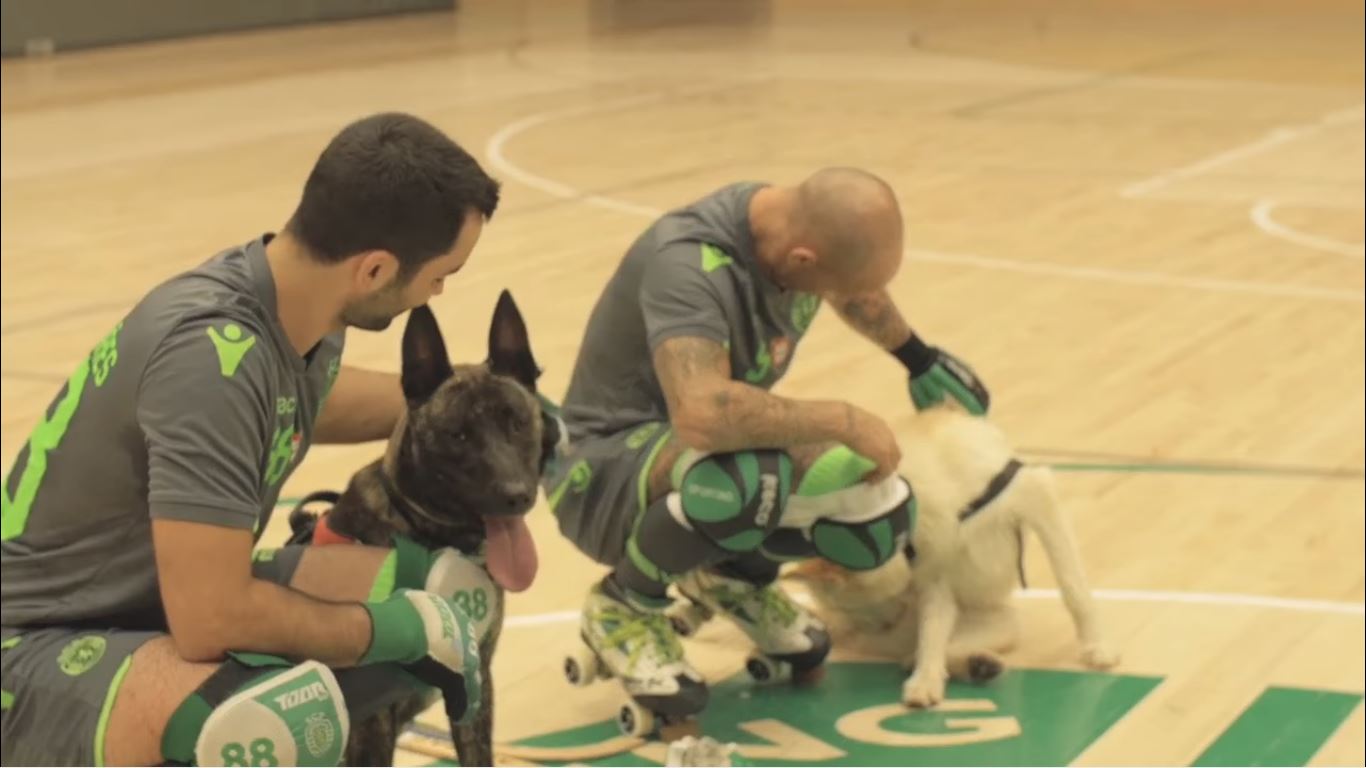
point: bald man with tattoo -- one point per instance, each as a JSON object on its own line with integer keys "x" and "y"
{"x": 684, "y": 469}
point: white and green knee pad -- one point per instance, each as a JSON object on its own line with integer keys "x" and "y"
{"x": 734, "y": 499}
{"x": 265, "y": 712}
{"x": 849, "y": 522}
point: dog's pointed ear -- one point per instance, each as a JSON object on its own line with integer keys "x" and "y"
{"x": 425, "y": 363}
{"x": 509, "y": 346}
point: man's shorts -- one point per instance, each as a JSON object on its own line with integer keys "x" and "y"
{"x": 59, "y": 684}
{"x": 598, "y": 488}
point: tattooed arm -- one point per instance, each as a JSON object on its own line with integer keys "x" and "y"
{"x": 713, "y": 413}
{"x": 875, "y": 316}
{"x": 935, "y": 374}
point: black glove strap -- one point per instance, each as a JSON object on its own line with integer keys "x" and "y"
{"x": 916, "y": 355}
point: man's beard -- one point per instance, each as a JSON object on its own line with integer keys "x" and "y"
{"x": 375, "y": 312}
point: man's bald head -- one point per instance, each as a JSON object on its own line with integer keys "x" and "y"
{"x": 851, "y": 220}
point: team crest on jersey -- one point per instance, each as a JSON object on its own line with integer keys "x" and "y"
{"x": 284, "y": 450}
{"x": 81, "y": 654}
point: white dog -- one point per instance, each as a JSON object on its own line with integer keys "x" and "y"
{"x": 950, "y": 607}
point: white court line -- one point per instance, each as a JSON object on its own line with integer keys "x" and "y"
{"x": 541, "y": 619}
{"x": 498, "y": 159}
{"x": 1275, "y": 138}
{"x": 1133, "y": 277}
{"x": 1210, "y": 598}
{"x": 496, "y": 152}
{"x": 1261, "y": 217}
{"x": 1106, "y": 595}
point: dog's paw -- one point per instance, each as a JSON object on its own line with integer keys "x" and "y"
{"x": 922, "y": 691}
{"x": 1099, "y": 656}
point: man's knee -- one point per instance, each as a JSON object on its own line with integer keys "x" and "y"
{"x": 275, "y": 715}
{"x": 733, "y": 499}
{"x": 850, "y": 522}
{"x": 263, "y": 710}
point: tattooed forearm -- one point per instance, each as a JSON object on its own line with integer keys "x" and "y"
{"x": 875, "y": 316}
{"x": 748, "y": 417}
{"x": 711, "y": 412}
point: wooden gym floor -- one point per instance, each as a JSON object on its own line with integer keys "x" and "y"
{"x": 1141, "y": 221}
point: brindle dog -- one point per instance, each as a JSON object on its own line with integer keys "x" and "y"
{"x": 461, "y": 470}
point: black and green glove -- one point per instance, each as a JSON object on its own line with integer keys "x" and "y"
{"x": 936, "y": 374}
{"x": 434, "y": 640}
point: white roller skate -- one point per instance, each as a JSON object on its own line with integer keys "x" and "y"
{"x": 791, "y": 642}
{"x": 640, "y": 648}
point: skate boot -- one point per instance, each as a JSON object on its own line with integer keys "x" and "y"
{"x": 638, "y": 646}
{"x": 791, "y": 641}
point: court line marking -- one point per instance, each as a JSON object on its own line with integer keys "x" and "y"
{"x": 1139, "y": 277}
{"x": 1261, "y": 217}
{"x": 495, "y": 149}
{"x": 1084, "y": 82}
{"x": 1106, "y": 595}
{"x": 1090, "y": 460}
{"x": 1276, "y": 137}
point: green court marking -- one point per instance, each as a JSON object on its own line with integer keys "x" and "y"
{"x": 853, "y": 717}
{"x": 1284, "y": 726}
{"x": 1103, "y": 461}
{"x": 1030, "y": 717}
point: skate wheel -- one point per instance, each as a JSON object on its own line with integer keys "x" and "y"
{"x": 635, "y": 720}
{"x": 767, "y": 671}
{"x": 581, "y": 668}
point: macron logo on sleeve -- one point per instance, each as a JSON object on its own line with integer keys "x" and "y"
{"x": 232, "y": 345}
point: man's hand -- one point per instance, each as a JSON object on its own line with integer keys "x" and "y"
{"x": 434, "y": 639}
{"x": 951, "y": 377}
{"x": 871, "y": 438}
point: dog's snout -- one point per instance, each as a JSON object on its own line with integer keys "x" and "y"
{"x": 517, "y": 494}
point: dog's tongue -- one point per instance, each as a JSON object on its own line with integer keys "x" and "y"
{"x": 510, "y": 553}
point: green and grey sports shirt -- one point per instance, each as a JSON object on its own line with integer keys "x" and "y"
{"x": 692, "y": 273}
{"x": 195, "y": 407}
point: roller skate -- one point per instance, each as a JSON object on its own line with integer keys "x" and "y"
{"x": 638, "y": 647}
{"x": 791, "y": 643}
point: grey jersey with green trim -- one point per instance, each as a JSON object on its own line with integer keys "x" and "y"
{"x": 692, "y": 273}
{"x": 195, "y": 408}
